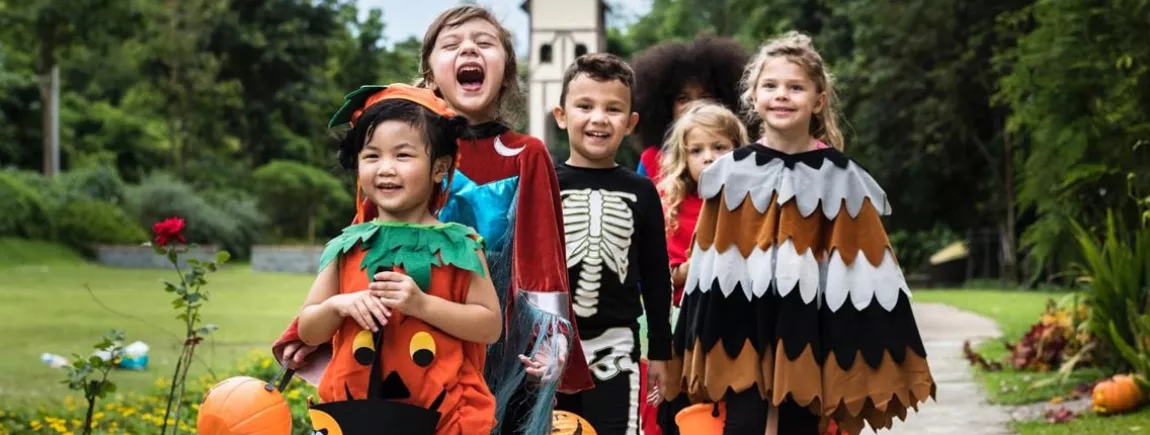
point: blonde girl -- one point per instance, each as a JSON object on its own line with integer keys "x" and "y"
{"x": 794, "y": 305}
{"x": 703, "y": 133}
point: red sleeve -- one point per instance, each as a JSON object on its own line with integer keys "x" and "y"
{"x": 540, "y": 252}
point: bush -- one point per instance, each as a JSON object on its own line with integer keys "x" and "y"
{"x": 299, "y": 197}
{"x": 231, "y": 224}
{"x": 84, "y": 222}
{"x": 24, "y": 212}
{"x": 144, "y": 413}
{"x": 101, "y": 183}
{"x": 1117, "y": 270}
{"x": 915, "y": 248}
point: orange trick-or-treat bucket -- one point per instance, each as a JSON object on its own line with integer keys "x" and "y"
{"x": 702, "y": 419}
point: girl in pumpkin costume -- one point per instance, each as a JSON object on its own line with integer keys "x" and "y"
{"x": 406, "y": 301}
{"x": 794, "y": 304}
{"x": 505, "y": 188}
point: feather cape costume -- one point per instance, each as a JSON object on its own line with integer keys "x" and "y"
{"x": 794, "y": 289}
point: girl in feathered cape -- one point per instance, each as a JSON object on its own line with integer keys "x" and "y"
{"x": 794, "y": 304}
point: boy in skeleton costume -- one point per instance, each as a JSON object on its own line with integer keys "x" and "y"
{"x": 794, "y": 298}
{"x": 615, "y": 242}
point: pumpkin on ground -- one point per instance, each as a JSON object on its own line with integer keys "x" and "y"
{"x": 566, "y": 423}
{"x": 1118, "y": 394}
{"x": 242, "y": 405}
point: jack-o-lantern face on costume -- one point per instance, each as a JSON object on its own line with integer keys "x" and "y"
{"x": 400, "y": 374}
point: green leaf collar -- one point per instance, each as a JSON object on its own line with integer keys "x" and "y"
{"x": 411, "y": 246}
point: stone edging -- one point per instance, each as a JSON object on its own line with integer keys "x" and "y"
{"x": 144, "y": 257}
{"x": 286, "y": 258}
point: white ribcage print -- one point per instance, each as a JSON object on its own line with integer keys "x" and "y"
{"x": 598, "y": 225}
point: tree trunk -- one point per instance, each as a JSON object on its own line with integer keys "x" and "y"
{"x": 44, "y": 72}
{"x": 1007, "y": 228}
{"x": 311, "y": 227}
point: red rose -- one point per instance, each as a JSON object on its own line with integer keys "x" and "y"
{"x": 169, "y": 229}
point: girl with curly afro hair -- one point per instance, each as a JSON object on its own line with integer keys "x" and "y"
{"x": 669, "y": 76}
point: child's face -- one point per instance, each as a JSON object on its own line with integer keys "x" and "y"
{"x": 703, "y": 147}
{"x": 395, "y": 171}
{"x": 468, "y": 64}
{"x": 596, "y": 116}
{"x": 786, "y": 97}
{"x": 691, "y": 91}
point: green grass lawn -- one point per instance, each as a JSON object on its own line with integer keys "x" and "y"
{"x": 45, "y": 307}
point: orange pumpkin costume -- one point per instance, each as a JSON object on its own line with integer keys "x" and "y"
{"x": 409, "y": 377}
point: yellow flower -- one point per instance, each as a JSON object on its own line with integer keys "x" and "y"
{"x": 97, "y": 416}
{"x": 35, "y": 424}
{"x": 266, "y": 363}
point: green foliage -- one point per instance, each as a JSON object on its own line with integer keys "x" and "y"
{"x": 190, "y": 298}
{"x": 161, "y": 196}
{"x": 1117, "y": 268}
{"x": 100, "y": 183}
{"x": 84, "y": 222}
{"x": 82, "y": 375}
{"x": 915, "y": 248}
{"x": 143, "y": 413}
{"x": 1076, "y": 84}
{"x": 297, "y": 196}
{"x": 25, "y": 213}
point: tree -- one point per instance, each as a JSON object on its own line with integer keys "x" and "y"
{"x": 1078, "y": 85}
{"x": 297, "y": 196}
{"x": 50, "y": 27}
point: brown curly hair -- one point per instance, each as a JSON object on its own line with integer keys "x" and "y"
{"x": 662, "y": 71}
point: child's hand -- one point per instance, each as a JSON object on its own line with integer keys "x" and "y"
{"x": 364, "y": 307}
{"x": 295, "y": 352}
{"x": 541, "y": 367}
{"x": 656, "y": 375}
{"x": 398, "y": 291}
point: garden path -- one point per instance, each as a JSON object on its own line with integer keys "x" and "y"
{"x": 961, "y": 408}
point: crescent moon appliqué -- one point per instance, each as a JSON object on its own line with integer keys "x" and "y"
{"x": 503, "y": 150}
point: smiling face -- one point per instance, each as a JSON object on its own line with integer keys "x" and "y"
{"x": 703, "y": 148}
{"x": 468, "y": 63}
{"x": 597, "y": 115}
{"x": 785, "y": 97}
{"x": 395, "y": 172}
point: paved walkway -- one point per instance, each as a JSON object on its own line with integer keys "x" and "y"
{"x": 960, "y": 408}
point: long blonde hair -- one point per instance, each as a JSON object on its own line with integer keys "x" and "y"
{"x": 675, "y": 181}
{"x": 798, "y": 48}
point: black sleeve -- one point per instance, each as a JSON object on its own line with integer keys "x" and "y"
{"x": 654, "y": 274}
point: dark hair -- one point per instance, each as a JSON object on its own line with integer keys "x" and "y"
{"x": 438, "y": 132}
{"x": 510, "y": 96}
{"x": 714, "y": 63}
{"x": 602, "y": 67}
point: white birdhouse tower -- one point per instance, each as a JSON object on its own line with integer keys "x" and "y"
{"x": 560, "y": 31}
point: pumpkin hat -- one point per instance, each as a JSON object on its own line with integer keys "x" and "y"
{"x": 359, "y": 100}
